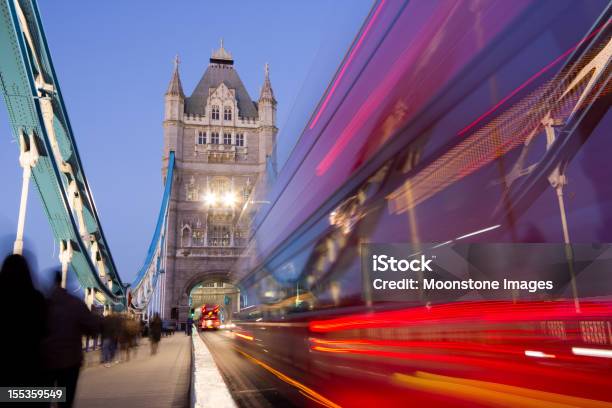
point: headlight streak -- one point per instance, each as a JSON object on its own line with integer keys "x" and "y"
{"x": 538, "y": 354}
{"x": 310, "y": 393}
{"x": 484, "y": 392}
{"x": 244, "y": 336}
{"x": 591, "y": 352}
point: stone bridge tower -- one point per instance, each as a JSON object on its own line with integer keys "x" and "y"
{"x": 221, "y": 139}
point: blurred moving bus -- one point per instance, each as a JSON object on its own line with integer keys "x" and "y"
{"x": 448, "y": 123}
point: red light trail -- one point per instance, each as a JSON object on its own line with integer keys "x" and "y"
{"x": 530, "y": 80}
{"x": 345, "y": 66}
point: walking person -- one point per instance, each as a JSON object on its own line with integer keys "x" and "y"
{"x": 189, "y": 326}
{"x": 68, "y": 319}
{"x": 155, "y": 330}
{"x": 23, "y": 318}
{"x": 128, "y": 336}
{"x": 110, "y": 335}
{"x": 124, "y": 339}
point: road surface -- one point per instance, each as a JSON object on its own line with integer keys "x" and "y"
{"x": 250, "y": 384}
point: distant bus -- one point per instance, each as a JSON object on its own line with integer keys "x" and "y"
{"x": 209, "y": 318}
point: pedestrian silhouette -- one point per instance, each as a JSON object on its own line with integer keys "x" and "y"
{"x": 155, "y": 330}
{"x": 111, "y": 327}
{"x": 22, "y": 316}
{"x": 68, "y": 320}
{"x": 189, "y": 326}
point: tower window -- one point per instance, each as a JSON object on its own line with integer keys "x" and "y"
{"x": 227, "y": 138}
{"x": 215, "y": 112}
{"x": 214, "y": 138}
{"x": 197, "y": 238}
{"x": 240, "y": 139}
{"x": 220, "y": 186}
{"x": 219, "y": 235}
{"x": 201, "y": 138}
{"x": 227, "y": 114}
{"x": 192, "y": 193}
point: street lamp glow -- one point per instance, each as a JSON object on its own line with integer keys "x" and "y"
{"x": 229, "y": 199}
{"x": 210, "y": 198}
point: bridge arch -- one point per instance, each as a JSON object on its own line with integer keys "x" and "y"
{"x": 205, "y": 277}
{"x": 212, "y": 287}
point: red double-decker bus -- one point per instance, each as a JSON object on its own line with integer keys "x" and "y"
{"x": 209, "y": 318}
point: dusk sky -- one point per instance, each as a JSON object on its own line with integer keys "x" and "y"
{"x": 114, "y": 62}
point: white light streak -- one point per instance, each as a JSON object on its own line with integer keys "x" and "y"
{"x": 539, "y": 354}
{"x": 591, "y": 352}
{"x": 480, "y": 231}
{"x": 442, "y": 244}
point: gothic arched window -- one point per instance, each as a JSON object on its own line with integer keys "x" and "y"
{"x": 214, "y": 138}
{"x": 220, "y": 185}
{"x": 186, "y": 236}
{"x": 240, "y": 139}
{"x": 192, "y": 190}
{"x": 219, "y": 235}
{"x": 215, "y": 112}
{"x": 227, "y": 113}
{"x": 201, "y": 137}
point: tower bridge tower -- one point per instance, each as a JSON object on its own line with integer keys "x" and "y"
{"x": 221, "y": 139}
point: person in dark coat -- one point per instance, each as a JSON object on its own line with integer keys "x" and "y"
{"x": 22, "y": 316}
{"x": 68, "y": 320}
{"x": 111, "y": 326}
{"x": 189, "y": 326}
{"x": 155, "y": 330}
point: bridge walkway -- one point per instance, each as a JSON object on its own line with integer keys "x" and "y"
{"x": 161, "y": 380}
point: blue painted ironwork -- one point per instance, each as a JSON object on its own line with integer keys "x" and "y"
{"x": 154, "y": 264}
{"x": 30, "y": 88}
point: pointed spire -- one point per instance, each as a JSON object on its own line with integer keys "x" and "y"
{"x": 175, "y": 87}
{"x": 222, "y": 56}
{"x": 266, "y": 92}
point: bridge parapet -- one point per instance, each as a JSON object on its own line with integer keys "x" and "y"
{"x": 211, "y": 252}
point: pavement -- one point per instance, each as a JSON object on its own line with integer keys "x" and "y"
{"x": 161, "y": 380}
{"x": 164, "y": 380}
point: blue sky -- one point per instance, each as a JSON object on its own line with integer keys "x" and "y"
{"x": 114, "y": 61}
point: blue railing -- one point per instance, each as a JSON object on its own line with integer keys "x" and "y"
{"x": 37, "y": 113}
{"x": 148, "y": 276}
{"x": 36, "y": 109}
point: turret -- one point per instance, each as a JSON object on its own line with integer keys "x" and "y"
{"x": 174, "y": 98}
{"x": 174, "y": 106}
{"x": 267, "y": 103}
